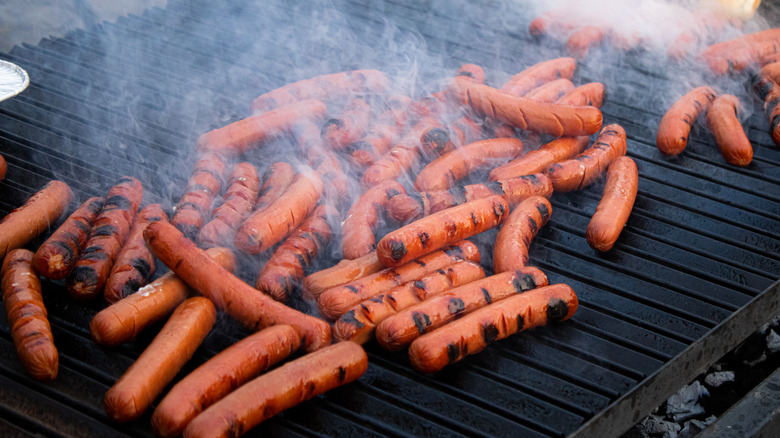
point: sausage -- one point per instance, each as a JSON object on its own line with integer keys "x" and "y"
{"x": 336, "y": 301}
{"x": 707, "y": 25}
{"x": 736, "y": 54}
{"x": 538, "y": 74}
{"x": 467, "y": 73}
{"x": 322, "y": 87}
{"x": 284, "y": 270}
{"x": 358, "y": 323}
{"x": 592, "y": 94}
{"x": 383, "y": 133}
{"x": 27, "y": 318}
{"x": 441, "y": 229}
{"x": 3, "y": 167}
{"x": 548, "y": 118}
{"x": 443, "y": 172}
{"x": 34, "y": 217}
{"x": 57, "y": 256}
{"x": 264, "y": 229}
{"x": 237, "y": 203}
{"x": 615, "y": 204}
{"x": 471, "y": 334}
{"x": 204, "y": 185}
{"x": 343, "y": 272}
{"x": 728, "y": 132}
{"x": 363, "y": 217}
{"x": 582, "y": 39}
{"x": 551, "y": 91}
{"x": 124, "y": 320}
{"x": 246, "y": 134}
{"x": 406, "y": 208}
{"x": 275, "y": 181}
{"x": 323, "y": 161}
{"x": 338, "y": 133}
{"x": 109, "y": 232}
{"x": 134, "y": 265}
{"x": 156, "y": 367}
{"x": 436, "y": 142}
{"x": 678, "y": 121}
{"x": 510, "y": 251}
{"x": 399, "y": 330}
{"x": 541, "y": 159}
{"x": 220, "y": 375}
{"x": 280, "y": 389}
{"x": 401, "y": 157}
{"x": 587, "y": 167}
{"x": 228, "y": 292}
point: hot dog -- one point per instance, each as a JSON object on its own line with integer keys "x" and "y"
{"x": 321, "y": 87}
{"x": 359, "y": 322}
{"x": 343, "y": 272}
{"x": 441, "y": 229}
{"x": 399, "y": 330}
{"x": 203, "y": 186}
{"x": 237, "y": 203}
{"x": 406, "y": 208}
{"x": 34, "y": 217}
{"x": 134, "y": 265}
{"x": 275, "y": 181}
{"x": 349, "y": 127}
{"x": 541, "y": 159}
{"x": 510, "y": 252}
{"x": 615, "y": 205}
{"x": 228, "y": 292}
{"x": 264, "y": 229}
{"x": 471, "y": 334}
{"x": 728, "y": 132}
{"x": 538, "y": 74}
{"x": 363, "y": 217}
{"x": 222, "y": 374}
{"x": 241, "y": 136}
{"x": 401, "y": 157}
{"x": 284, "y": 270}
{"x": 108, "y": 235}
{"x": 383, "y": 133}
{"x": 582, "y": 39}
{"x": 280, "y": 389}
{"x": 27, "y": 319}
{"x": 468, "y": 73}
{"x": 323, "y": 161}
{"x": 124, "y": 320}
{"x": 336, "y": 301}
{"x": 527, "y": 114}
{"x": 587, "y": 167}
{"x": 154, "y": 369}
{"x": 443, "y": 172}
{"x": 57, "y": 256}
{"x": 592, "y": 94}
{"x": 3, "y": 167}
{"x": 676, "y": 124}
{"x": 551, "y": 91}
{"x": 738, "y": 53}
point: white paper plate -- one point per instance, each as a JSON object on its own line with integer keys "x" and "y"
{"x": 13, "y": 79}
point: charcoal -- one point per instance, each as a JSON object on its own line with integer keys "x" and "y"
{"x": 685, "y": 404}
{"x": 773, "y": 341}
{"x": 718, "y": 378}
{"x": 657, "y": 426}
{"x": 694, "y": 427}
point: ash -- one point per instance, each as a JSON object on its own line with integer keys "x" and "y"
{"x": 700, "y": 403}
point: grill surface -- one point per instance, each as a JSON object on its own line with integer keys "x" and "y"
{"x": 130, "y": 98}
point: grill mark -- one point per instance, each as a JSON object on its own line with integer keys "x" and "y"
{"x": 105, "y": 230}
{"x": 397, "y": 249}
{"x": 351, "y": 288}
{"x": 557, "y": 309}
{"x": 543, "y": 211}
{"x": 458, "y": 194}
{"x": 489, "y": 333}
{"x": 495, "y": 187}
{"x": 117, "y": 201}
{"x": 67, "y": 251}
{"x": 453, "y": 352}
{"x": 350, "y": 318}
{"x": 524, "y": 282}
{"x": 142, "y": 266}
{"x": 486, "y": 294}
{"x": 130, "y": 287}
{"x": 424, "y": 238}
{"x": 456, "y": 306}
{"x": 421, "y": 321}
{"x": 84, "y": 274}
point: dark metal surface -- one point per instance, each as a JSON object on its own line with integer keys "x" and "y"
{"x": 130, "y": 98}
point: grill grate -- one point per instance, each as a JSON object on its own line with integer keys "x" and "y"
{"x": 130, "y": 98}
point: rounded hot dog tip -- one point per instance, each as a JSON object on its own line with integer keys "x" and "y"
{"x": 238, "y": 299}
{"x": 677, "y": 122}
{"x": 154, "y": 369}
{"x": 615, "y": 206}
{"x": 440, "y": 229}
{"x": 472, "y": 333}
{"x": 729, "y": 134}
{"x": 363, "y": 217}
{"x": 37, "y": 214}
{"x": 280, "y": 389}
{"x": 221, "y": 374}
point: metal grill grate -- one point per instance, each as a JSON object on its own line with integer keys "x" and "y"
{"x": 130, "y": 98}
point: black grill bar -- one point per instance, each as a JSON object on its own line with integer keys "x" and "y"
{"x": 690, "y": 277}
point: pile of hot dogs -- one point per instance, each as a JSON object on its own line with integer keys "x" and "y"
{"x": 433, "y": 172}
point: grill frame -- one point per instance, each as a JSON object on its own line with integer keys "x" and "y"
{"x": 635, "y": 392}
